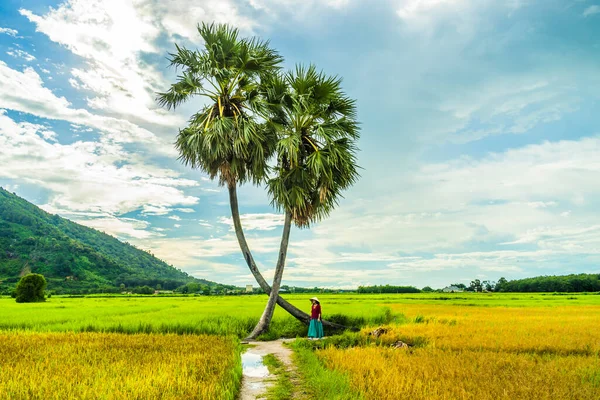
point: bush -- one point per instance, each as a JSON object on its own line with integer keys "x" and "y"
{"x": 30, "y": 289}
{"x": 143, "y": 290}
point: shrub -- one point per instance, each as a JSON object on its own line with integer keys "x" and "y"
{"x": 143, "y": 290}
{"x": 30, "y": 289}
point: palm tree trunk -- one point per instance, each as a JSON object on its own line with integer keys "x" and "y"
{"x": 292, "y": 310}
{"x": 267, "y": 316}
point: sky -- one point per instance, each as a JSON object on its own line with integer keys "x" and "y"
{"x": 480, "y": 139}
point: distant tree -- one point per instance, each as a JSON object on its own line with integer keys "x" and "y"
{"x": 193, "y": 287}
{"x": 30, "y": 289}
{"x": 122, "y": 287}
{"x": 143, "y": 290}
{"x": 158, "y": 287}
{"x": 476, "y": 285}
{"x": 182, "y": 289}
{"x": 427, "y": 289}
{"x": 489, "y": 285}
{"x": 460, "y": 286}
{"x": 388, "y": 289}
{"x": 501, "y": 285}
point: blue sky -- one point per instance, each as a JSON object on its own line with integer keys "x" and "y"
{"x": 480, "y": 141}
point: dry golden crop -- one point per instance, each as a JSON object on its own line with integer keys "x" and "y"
{"x": 466, "y": 352}
{"x": 116, "y": 366}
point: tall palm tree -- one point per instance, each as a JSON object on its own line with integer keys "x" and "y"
{"x": 228, "y": 138}
{"x": 316, "y": 155}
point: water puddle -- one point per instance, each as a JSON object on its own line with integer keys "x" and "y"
{"x": 252, "y": 365}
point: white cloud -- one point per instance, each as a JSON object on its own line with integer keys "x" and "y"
{"x": 25, "y": 92}
{"x": 190, "y": 252}
{"x": 9, "y": 32}
{"x": 112, "y": 37}
{"x": 298, "y": 9}
{"x": 181, "y": 17}
{"x": 542, "y": 204}
{"x": 497, "y": 202}
{"x": 260, "y": 222}
{"x": 411, "y": 9}
{"x": 97, "y": 178}
{"x": 21, "y": 54}
{"x": 591, "y": 10}
{"x": 148, "y": 209}
{"x": 514, "y": 104}
{"x": 121, "y": 227}
{"x": 175, "y": 217}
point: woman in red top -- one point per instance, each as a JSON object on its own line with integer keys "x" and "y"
{"x": 315, "y": 329}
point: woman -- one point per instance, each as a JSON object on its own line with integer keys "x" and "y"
{"x": 315, "y": 329}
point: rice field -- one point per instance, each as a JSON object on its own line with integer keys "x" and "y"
{"x": 463, "y": 346}
{"x": 115, "y": 366}
{"x": 467, "y": 352}
{"x": 215, "y": 315}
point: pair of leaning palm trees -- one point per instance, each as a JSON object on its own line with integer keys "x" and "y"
{"x": 296, "y": 132}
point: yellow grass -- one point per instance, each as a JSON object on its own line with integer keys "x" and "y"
{"x": 481, "y": 353}
{"x": 115, "y": 366}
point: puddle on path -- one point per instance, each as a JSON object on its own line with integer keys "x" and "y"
{"x": 252, "y": 365}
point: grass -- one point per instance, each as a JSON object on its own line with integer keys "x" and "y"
{"x": 318, "y": 381}
{"x": 213, "y": 315}
{"x": 114, "y": 366}
{"x": 283, "y": 389}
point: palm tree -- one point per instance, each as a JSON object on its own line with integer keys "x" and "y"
{"x": 316, "y": 159}
{"x": 229, "y": 138}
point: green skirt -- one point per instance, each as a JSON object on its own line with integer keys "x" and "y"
{"x": 315, "y": 329}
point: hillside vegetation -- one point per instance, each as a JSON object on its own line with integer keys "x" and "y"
{"x": 72, "y": 256}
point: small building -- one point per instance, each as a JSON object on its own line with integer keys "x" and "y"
{"x": 249, "y": 289}
{"x": 452, "y": 289}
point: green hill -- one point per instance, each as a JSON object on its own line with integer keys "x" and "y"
{"x": 72, "y": 256}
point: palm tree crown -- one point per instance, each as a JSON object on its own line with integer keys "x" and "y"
{"x": 226, "y": 138}
{"x": 316, "y": 151}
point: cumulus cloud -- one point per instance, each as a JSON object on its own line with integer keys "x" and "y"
{"x": 96, "y": 178}
{"x": 500, "y": 202}
{"x": 463, "y": 78}
{"x": 25, "y": 91}
{"x": 112, "y": 39}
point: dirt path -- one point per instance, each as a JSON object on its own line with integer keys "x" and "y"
{"x": 256, "y": 379}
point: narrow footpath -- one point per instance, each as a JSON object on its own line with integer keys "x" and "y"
{"x": 256, "y": 379}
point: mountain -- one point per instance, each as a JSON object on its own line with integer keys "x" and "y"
{"x": 72, "y": 256}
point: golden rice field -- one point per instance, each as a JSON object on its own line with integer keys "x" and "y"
{"x": 466, "y": 352}
{"x": 115, "y": 366}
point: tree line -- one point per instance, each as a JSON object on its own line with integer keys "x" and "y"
{"x": 564, "y": 283}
